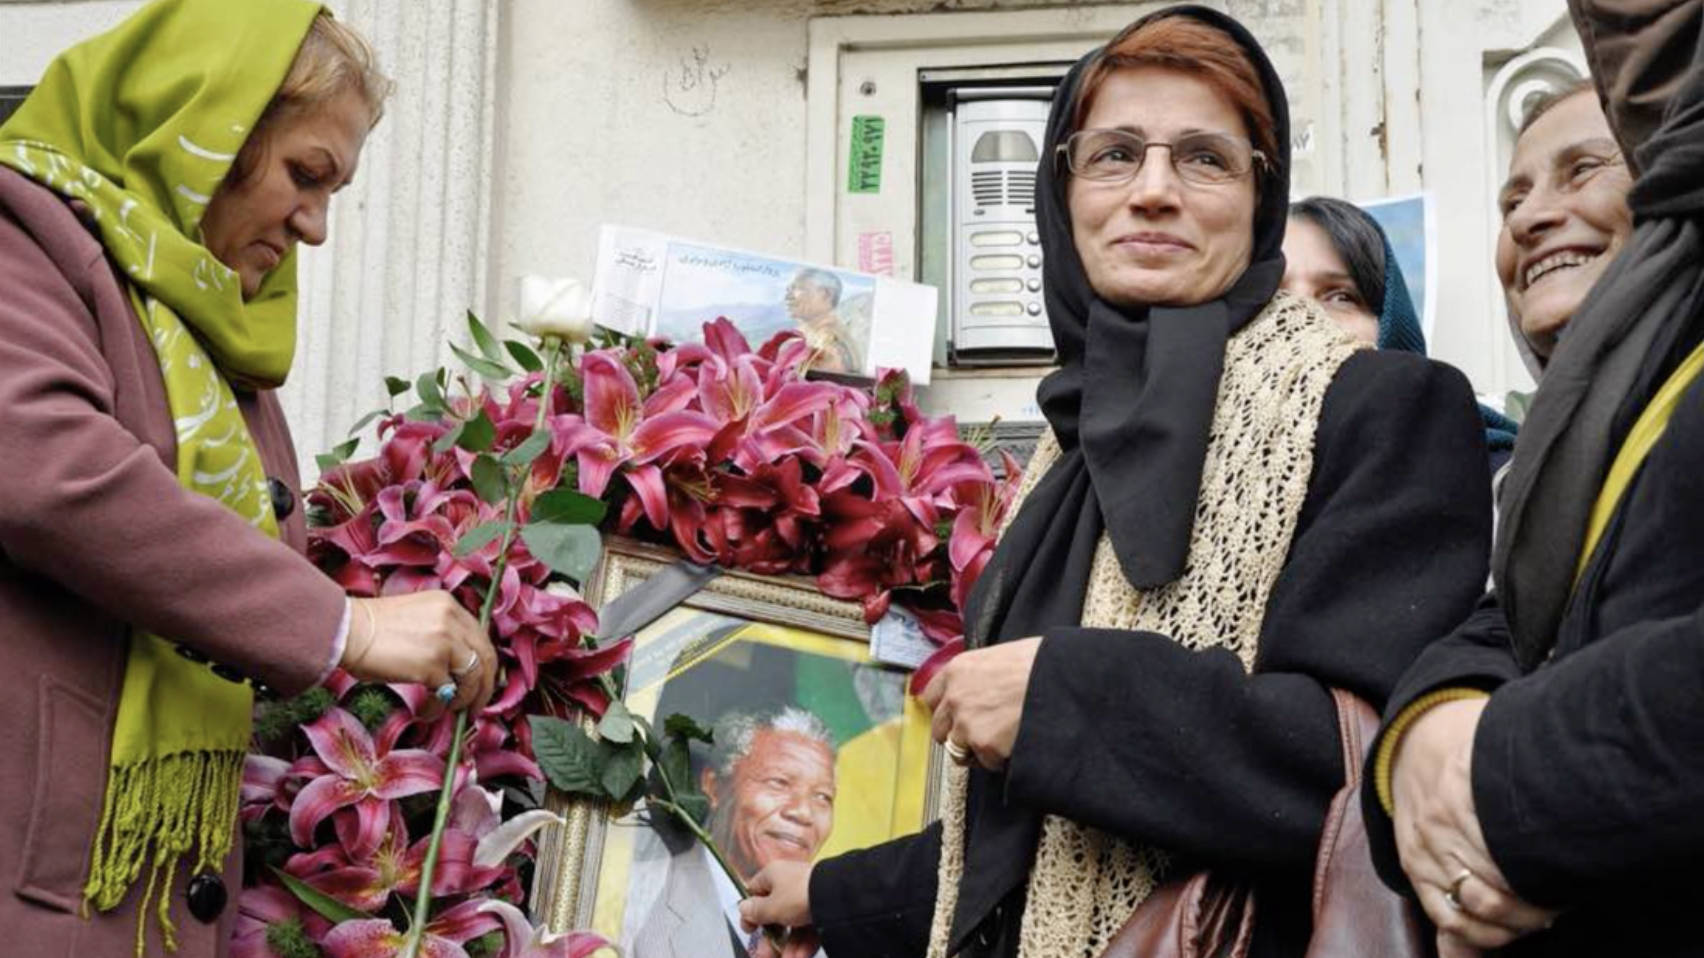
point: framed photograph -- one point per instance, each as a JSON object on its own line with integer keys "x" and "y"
{"x": 818, "y": 751}
{"x": 658, "y": 285}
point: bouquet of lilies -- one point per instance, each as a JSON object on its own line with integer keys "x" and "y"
{"x": 373, "y": 832}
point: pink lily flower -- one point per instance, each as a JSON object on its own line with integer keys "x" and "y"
{"x": 982, "y": 508}
{"x": 521, "y": 939}
{"x": 262, "y": 777}
{"x": 367, "y": 884}
{"x": 362, "y": 772}
{"x": 262, "y": 906}
{"x": 378, "y": 938}
{"x": 620, "y": 431}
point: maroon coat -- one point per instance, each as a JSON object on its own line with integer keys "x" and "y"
{"x": 97, "y": 538}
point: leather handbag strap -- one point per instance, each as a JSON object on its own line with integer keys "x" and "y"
{"x": 1355, "y": 915}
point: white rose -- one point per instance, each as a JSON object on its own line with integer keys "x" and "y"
{"x": 555, "y": 307}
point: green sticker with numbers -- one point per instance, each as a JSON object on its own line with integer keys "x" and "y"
{"x": 864, "y": 170}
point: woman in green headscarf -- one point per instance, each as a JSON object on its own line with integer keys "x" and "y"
{"x": 153, "y": 189}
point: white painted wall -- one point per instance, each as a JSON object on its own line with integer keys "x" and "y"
{"x": 696, "y": 117}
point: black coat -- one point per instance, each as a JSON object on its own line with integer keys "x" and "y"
{"x": 1134, "y": 734}
{"x": 1588, "y": 770}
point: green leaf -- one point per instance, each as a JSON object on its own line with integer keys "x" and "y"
{"x": 570, "y": 550}
{"x": 696, "y": 805}
{"x": 623, "y": 766}
{"x": 496, "y": 372}
{"x": 489, "y": 480}
{"x": 483, "y": 339}
{"x": 676, "y": 763}
{"x": 568, "y": 507}
{"x": 396, "y": 386}
{"x": 682, "y": 726}
{"x": 478, "y": 433}
{"x": 329, "y": 907}
{"x": 568, "y": 756}
{"x": 448, "y": 440}
{"x": 648, "y": 735}
{"x": 476, "y": 538}
{"x": 430, "y": 388}
{"x": 617, "y": 724}
{"x": 524, "y": 355}
{"x": 523, "y": 454}
{"x": 337, "y": 455}
{"x": 362, "y": 423}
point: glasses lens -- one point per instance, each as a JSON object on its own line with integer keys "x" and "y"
{"x": 1211, "y": 157}
{"x": 1105, "y": 154}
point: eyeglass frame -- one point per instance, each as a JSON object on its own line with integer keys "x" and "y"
{"x": 1258, "y": 160}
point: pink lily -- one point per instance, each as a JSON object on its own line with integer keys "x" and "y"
{"x": 262, "y": 777}
{"x": 361, "y": 772}
{"x": 366, "y": 885}
{"x": 619, "y": 431}
{"x": 521, "y": 939}
{"x": 982, "y": 508}
{"x": 258, "y": 909}
{"x": 378, "y": 938}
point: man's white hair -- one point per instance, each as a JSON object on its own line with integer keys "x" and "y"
{"x": 735, "y": 732}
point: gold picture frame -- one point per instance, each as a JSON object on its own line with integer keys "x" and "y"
{"x": 726, "y": 643}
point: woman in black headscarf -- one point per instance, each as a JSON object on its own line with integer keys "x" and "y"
{"x": 1235, "y": 511}
{"x": 1337, "y": 254}
{"x": 1543, "y": 766}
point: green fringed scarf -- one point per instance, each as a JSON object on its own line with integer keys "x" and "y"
{"x": 141, "y": 125}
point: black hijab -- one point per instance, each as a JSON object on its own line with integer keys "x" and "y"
{"x": 1640, "y": 320}
{"x": 1131, "y": 406}
{"x": 1132, "y": 402}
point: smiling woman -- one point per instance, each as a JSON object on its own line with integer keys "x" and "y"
{"x": 1565, "y": 216}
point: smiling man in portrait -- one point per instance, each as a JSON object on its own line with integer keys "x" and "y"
{"x": 771, "y": 784}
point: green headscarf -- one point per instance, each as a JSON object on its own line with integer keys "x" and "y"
{"x": 141, "y": 125}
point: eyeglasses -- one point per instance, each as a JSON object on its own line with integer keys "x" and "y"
{"x": 1116, "y": 156}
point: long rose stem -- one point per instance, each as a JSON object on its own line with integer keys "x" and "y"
{"x": 446, "y": 796}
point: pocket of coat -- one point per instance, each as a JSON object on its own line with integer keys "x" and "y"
{"x": 70, "y": 767}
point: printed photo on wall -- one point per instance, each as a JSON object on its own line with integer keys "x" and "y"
{"x": 816, "y": 750}
{"x": 657, "y": 285}
{"x": 1411, "y": 225}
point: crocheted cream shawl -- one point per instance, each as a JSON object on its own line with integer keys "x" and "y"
{"x": 1085, "y": 883}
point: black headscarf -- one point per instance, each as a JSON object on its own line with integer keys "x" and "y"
{"x": 1131, "y": 406}
{"x": 1638, "y": 322}
{"x": 1132, "y": 402}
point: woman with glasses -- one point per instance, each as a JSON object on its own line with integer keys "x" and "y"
{"x": 1235, "y": 511}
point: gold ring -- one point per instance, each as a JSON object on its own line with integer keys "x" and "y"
{"x": 958, "y": 753}
{"x": 1453, "y": 896}
{"x": 467, "y": 667}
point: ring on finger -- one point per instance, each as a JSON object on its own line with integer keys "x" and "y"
{"x": 467, "y": 668}
{"x": 446, "y": 693}
{"x": 958, "y": 753}
{"x": 1452, "y": 897}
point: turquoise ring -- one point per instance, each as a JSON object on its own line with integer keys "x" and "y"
{"x": 446, "y": 693}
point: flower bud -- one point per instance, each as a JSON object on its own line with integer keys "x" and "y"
{"x": 560, "y": 308}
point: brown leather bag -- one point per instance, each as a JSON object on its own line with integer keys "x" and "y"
{"x": 1355, "y": 915}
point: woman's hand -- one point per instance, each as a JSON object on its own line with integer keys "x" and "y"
{"x": 425, "y": 637}
{"x": 781, "y": 896}
{"x": 1438, "y": 835}
{"x": 978, "y": 700}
